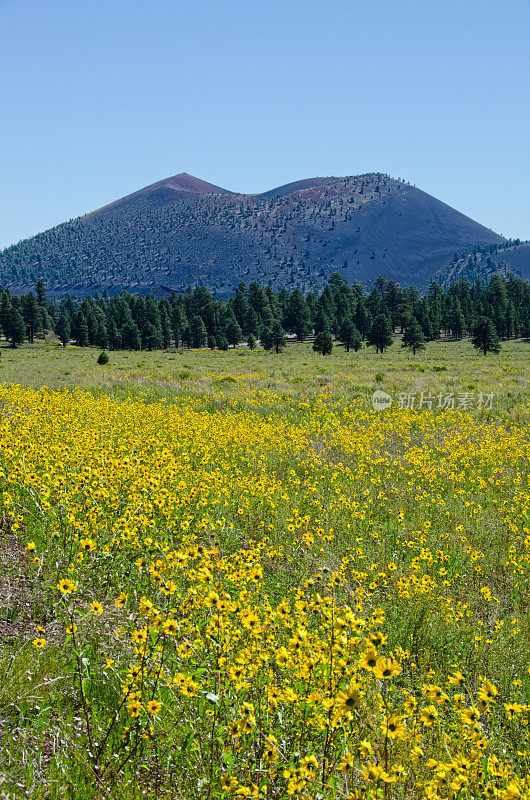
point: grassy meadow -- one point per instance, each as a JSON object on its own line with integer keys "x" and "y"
{"x": 223, "y": 574}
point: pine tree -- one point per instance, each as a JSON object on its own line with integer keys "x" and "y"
{"x": 62, "y": 329}
{"x": 266, "y": 338}
{"x": 347, "y": 333}
{"x": 357, "y": 342}
{"x": 16, "y": 327}
{"x": 152, "y": 336}
{"x": 101, "y": 337}
{"x": 297, "y": 315}
{"x": 380, "y": 334}
{"x": 31, "y": 315}
{"x": 165, "y": 326}
{"x": 233, "y": 332}
{"x": 363, "y": 319}
{"x": 185, "y": 335}
{"x": 251, "y": 342}
{"x": 413, "y": 337}
{"x": 177, "y": 321}
{"x": 127, "y": 320}
{"x": 323, "y": 321}
{"x": 5, "y": 311}
{"x": 41, "y": 293}
{"x": 241, "y": 308}
{"x": 259, "y": 301}
{"x": 323, "y": 343}
{"x": 79, "y": 328}
{"x": 485, "y": 336}
{"x": 198, "y": 332}
{"x": 273, "y": 338}
{"x": 114, "y": 335}
{"x": 455, "y": 320}
{"x": 253, "y": 324}
{"x": 91, "y": 321}
{"x": 129, "y": 336}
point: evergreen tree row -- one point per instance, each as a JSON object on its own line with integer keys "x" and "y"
{"x": 341, "y": 312}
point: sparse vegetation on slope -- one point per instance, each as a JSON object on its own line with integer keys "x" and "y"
{"x": 182, "y": 232}
{"x": 510, "y": 258}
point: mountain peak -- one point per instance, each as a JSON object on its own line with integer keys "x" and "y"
{"x": 189, "y": 183}
{"x": 183, "y": 231}
{"x": 161, "y": 192}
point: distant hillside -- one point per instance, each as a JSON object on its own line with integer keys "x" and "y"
{"x": 183, "y": 231}
{"x": 482, "y": 262}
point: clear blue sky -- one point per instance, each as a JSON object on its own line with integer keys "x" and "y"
{"x": 101, "y": 98}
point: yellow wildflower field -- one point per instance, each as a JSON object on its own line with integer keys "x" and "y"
{"x": 265, "y": 594}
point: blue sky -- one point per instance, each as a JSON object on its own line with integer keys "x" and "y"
{"x": 101, "y": 98}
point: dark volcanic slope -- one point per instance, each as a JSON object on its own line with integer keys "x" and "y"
{"x": 183, "y": 231}
{"x": 511, "y": 257}
{"x": 157, "y": 195}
